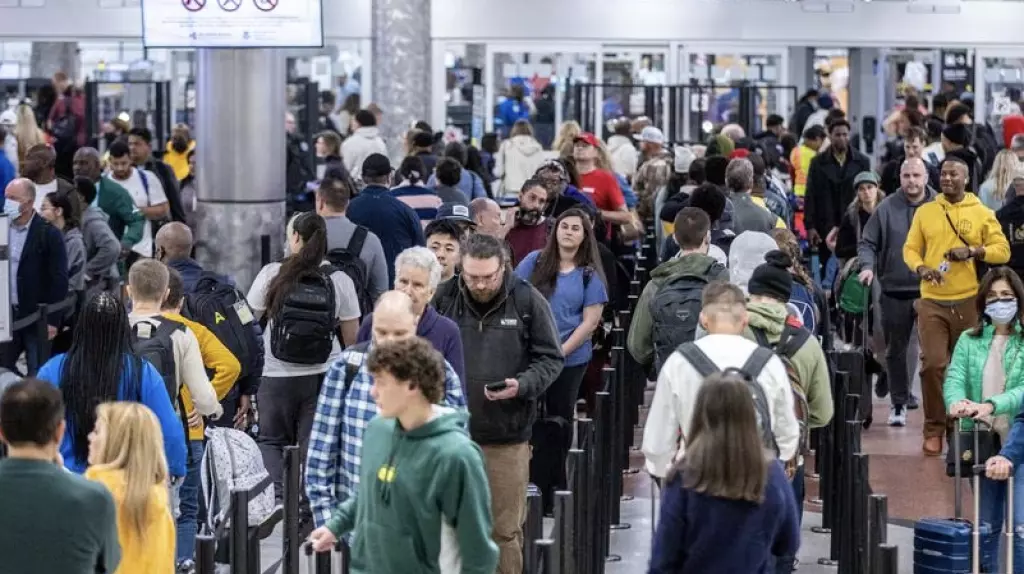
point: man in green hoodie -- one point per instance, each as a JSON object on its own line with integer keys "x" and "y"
{"x": 660, "y": 322}
{"x": 423, "y": 502}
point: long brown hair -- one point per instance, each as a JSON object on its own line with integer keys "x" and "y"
{"x": 787, "y": 242}
{"x": 725, "y": 456}
{"x": 545, "y": 272}
{"x": 981, "y": 300}
{"x": 312, "y": 229}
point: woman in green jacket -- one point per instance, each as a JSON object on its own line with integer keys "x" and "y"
{"x": 985, "y": 381}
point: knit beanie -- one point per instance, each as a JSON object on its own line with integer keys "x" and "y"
{"x": 720, "y": 145}
{"x": 772, "y": 278}
{"x": 714, "y": 169}
{"x": 959, "y": 134}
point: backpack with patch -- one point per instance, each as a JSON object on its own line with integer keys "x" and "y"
{"x": 675, "y": 313}
{"x": 790, "y": 342}
{"x": 221, "y": 307}
{"x": 304, "y": 329}
{"x": 233, "y": 460}
{"x": 749, "y": 372}
{"x": 801, "y": 301}
{"x": 154, "y": 343}
{"x": 347, "y": 260}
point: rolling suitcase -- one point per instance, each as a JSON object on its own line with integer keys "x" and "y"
{"x": 334, "y": 562}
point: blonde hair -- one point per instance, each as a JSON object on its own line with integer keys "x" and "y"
{"x": 1004, "y": 170}
{"x": 566, "y": 138}
{"x": 26, "y": 130}
{"x": 134, "y": 445}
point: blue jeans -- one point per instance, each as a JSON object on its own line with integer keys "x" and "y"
{"x": 785, "y": 564}
{"x": 189, "y": 494}
{"x": 993, "y": 508}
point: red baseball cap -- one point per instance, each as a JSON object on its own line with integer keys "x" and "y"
{"x": 739, "y": 153}
{"x": 589, "y": 138}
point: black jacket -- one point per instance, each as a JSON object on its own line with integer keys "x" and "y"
{"x": 1011, "y": 218}
{"x": 42, "y": 270}
{"x": 890, "y": 179}
{"x": 830, "y": 189}
{"x": 512, "y": 337}
{"x": 846, "y": 239}
{"x": 169, "y": 182}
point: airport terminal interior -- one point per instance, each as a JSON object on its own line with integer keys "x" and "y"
{"x": 645, "y": 124}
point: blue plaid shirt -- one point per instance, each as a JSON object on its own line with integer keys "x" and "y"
{"x": 332, "y": 462}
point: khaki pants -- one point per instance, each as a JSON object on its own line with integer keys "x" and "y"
{"x": 938, "y": 328}
{"x": 508, "y": 472}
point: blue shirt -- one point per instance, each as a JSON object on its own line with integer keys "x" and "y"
{"x": 572, "y": 294}
{"x": 469, "y": 184}
{"x": 18, "y": 236}
{"x": 391, "y": 220}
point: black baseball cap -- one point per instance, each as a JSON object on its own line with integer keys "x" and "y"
{"x": 376, "y": 165}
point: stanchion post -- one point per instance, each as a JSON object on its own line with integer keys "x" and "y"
{"x": 545, "y": 552}
{"x": 265, "y": 250}
{"x": 292, "y": 490}
{"x": 613, "y": 386}
{"x": 43, "y": 335}
{"x": 889, "y": 558}
{"x": 565, "y": 531}
{"x": 579, "y": 461}
{"x": 859, "y": 515}
{"x": 206, "y": 552}
{"x": 239, "y": 550}
{"x": 878, "y": 531}
{"x": 602, "y": 412}
{"x": 534, "y": 524}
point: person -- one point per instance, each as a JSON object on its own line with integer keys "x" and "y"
{"x": 26, "y": 131}
{"x": 126, "y": 457}
{"x": 800, "y": 158}
{"x": 423, "y": 148}
{"x": 178, "y": 149}
{"x": 747, "y": 215}
{"x": 190, "y": 192}
{"x": 470, "y": 184}
{"x": 140, "y": 143}
{"x": 445, "y": 180}
{"x": 38, "y": 273}
{"x": 648, "y": 342}
{"x": 948, "y": 239}
{"x": 346, "y": 407}
{"x": 333, "y": 198}
{"x": 375, "y": 208}
{"x": 458, "y": 215}
{"x": 364, "y": 142}
{"x": 708, "y": 198}
{"x": 486, "y": 215}
{"x": 41, "y": 503}
{"x": 327, "y": 147}
{"x": 411, "y": 190}
{"x": 61, "y": 211}
{"x": 913, "y": 147}
{"x": 102, "y": 249}
{"x": 1011, "y": 218}
{"x": 515, "y": 107}
{"x": 598, "y": 184}
{"x": 518, "y": 158}
{"x": 805, "y": 298}
{"x": 569, "y": 273}
{"x": 741, "y": 501}
{"x": 147, "y": 193}
{"x": 441, "y": 500}
{"x": 622, "y": 148}
{"x": 125, "y": 220}
{"x": 532, "y": 228}
{"x": 503, "y": 318}
{"x": 984, "y": 382}
{"x": 994, "y": 190}
{"x": 66, "y": 121}
{"x": 418, "y": 276}
{"x": 325, "y": 115}
{"x": 443, "y": 238}
{"x": 844, "y": 241}
{"x": 293, "y": 372}
{"x": 39, "y": 167}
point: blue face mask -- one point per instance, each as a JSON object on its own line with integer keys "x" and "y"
{"x": 12, "y": 208}
{"x": 1002, "y": 312}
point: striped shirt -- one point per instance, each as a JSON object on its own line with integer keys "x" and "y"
{"x": 422, "y": 200}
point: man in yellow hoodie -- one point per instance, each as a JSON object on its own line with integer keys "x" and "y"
{"x": 177, "y": 150}
{"x": 947, "y": 238}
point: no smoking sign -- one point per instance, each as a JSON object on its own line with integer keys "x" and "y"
{"x": 266, "y": 5}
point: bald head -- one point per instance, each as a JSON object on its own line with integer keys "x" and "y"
{"x": 393, "y": 318}
{"x": 913, "y": 178}
{"x": 486, "y": 213}
{"x": 174, "y": 242}
{"x": 23, "y": 192}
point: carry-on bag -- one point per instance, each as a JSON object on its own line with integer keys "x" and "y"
{"x": 334, "y": 562}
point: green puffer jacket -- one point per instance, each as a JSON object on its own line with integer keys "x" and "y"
{"x": 964, "y": 373}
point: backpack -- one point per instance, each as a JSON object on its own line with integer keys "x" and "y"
{"x": 65, "y": 128}
{"x": 790, "y": 342}
{"x": 221, "y": 307}
{"x": 304, "y": 329}
{"x": 153, "y": 342}
{"x": 347, "y": 259}
{"x": 675, "y": 314}
{"x": 749, "y": 372}
{"x": 802, "y": 302}
{"x": 233, "y": 460}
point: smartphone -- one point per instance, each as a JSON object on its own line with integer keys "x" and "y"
{"x": 497, "y": 387}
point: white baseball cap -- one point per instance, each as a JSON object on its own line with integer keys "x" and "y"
{"x": 651, "y": 134}
{"x": 8, "y": 118}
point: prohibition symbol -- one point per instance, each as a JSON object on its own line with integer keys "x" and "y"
{"x": 266, "y": 5}
{"x": 230, "y": 5}
{"x": 194, "y": 5}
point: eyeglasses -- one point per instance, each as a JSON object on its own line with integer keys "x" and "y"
{"x": 482, "y": 279}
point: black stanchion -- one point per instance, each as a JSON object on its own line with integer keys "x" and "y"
{"x": 889, "y": 559}
{"x": 586, "y": 486}
{"x": 545, "y": 552}
{"x": 878, "y": 530}
{"x": 612, "y": 381}
{"x": 292, "y": 492}
{"x": 265, "y": 257}
{"x": 242, "y": 560}
{"x": 847, "y": 494}
{"x": 602, "y": 473}
{"x": 534, "y": 527}
{"x": 206, "y": 552}
{"x": 859, "y": 513}
{"x": 565, "y": 532}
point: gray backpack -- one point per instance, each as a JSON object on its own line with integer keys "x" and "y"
{"x": 233, "y": 460}
{"x": 675, "y": 314}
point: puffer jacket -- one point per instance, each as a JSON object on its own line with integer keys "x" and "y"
{"x": 624, "y": 155}
{"x": 363, "y": 143}
{"x": 517, "y": 160}
{"x": 965, "y": 372}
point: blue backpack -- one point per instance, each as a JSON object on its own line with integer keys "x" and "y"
{"x": 801, "y": 300}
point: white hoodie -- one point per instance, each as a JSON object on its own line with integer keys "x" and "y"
{"x": 363, "y": 143}
{"x": 624, "y": 155}
{"x": 517, "y": 160}
{"x": 676, "y": 393}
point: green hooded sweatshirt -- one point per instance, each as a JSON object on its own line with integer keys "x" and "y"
{"x": 423, "y": 505}
{"x": 809, "y": 362}
{"x": 640, "y": 341}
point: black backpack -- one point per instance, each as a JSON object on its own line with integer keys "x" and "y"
{"x": 65, "y": 128}
{"x": 153, "y": 342}
{"x": 347, "y": 259}
{"x": 304, "y": 329}
{"x": 675, "y": 314}
{"x": 220, "y": 307}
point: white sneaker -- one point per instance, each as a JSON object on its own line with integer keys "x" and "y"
{"x": 898, "y": 416}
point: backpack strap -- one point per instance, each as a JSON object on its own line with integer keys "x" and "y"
{"x": 698, "y": 359}
{"x": 355, "y": 243}
{"x": 352, "y": 370}
{"x": 145, "y": 184}
{"x": 756, "y": 363}
{"x": 791, "y": 341}
{"x": 444, "y": 299}
{"x": 522, "y": 298}
{"x": 761, "y": 336}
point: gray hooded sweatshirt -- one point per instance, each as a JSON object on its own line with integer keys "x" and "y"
{"x": 881, "y": 244}
{"x": 102, "y": 249}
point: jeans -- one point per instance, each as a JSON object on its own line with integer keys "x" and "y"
{"x": 786, "y": 564}
{"x": 188, "y": 504}
{"x": 287, "y": 407}
{"x": 22, "y": 341}
{"x": 898, "y": 321}
{"x": 993, "y": 508}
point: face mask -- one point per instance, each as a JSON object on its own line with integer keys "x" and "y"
{"x": 12, "y": 208}
{"x": 1002, "y": 312}
{"x": 528, "y": 217}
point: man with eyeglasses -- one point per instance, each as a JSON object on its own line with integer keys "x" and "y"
{"x": 508, "y": 331}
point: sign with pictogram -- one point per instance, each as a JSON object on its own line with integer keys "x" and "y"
{"x": 266, "y": 5}
{"x": 193, "y": 5}
{"x": 230, "y": 5}
{"x": 180, "y": 24}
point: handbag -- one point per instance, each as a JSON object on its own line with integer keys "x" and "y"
{"x": 980, "y": 267}
{"x": 970, "y": 447}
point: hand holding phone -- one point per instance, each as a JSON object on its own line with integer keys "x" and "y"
{"x": 497, "y": 387}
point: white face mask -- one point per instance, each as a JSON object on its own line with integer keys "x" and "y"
{"x": 12, "y": 208}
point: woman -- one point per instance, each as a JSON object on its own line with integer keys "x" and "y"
{"x": 101, "y": 367}
{"x": 518, "y": 158}
{"x": 993, "y": 191}
{"x": 726, "y": 492}
{"x": 288, "y": 392}
{"x": 328, "y": 153}
{"x": 190, "y": 191}
{"x": 985, "y": 380}
{"x": 566, "y": 139}
{"x": 126, "y": 456}
{"x": 568, "y": 272}
{"x": 417, "y": 274}
{"x": 62, "y": 210}
{"x": 27, "y": 132}
{"x": 869, "y": 195}
{"x": 411, "y": 190}
{"x": 347, "y": 113}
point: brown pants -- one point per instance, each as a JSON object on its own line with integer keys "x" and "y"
{"x": 938, "y": 328}
{"x": 508, "y": 472}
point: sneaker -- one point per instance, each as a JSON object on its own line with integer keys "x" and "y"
{"x": 882, "y": 385}
{"x": 186, "y": 567}
{"x": 897, "y": 416}
{"x": 912, "y": 404}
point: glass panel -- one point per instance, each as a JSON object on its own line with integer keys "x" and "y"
{"x": 1004, "y": 83}
{"x": 716, "y": 82}
{"x": 631, "y": 80}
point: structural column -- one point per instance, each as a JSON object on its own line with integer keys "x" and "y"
{"x": 401, "y": 67}
{"x": 240, "y": 111}
{"x": 48, "y": 58}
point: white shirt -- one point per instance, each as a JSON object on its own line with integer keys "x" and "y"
{"x": 42, "y": 190}
{"x": 156, "y": 196}
{"x": 676, "y": 392}
{"x": 346, "y": 304}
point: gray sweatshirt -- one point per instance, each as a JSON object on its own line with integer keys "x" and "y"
{"x": 881, "y": 244}
{"x": 75, "y": 248}
{"x": 102, "y": 249}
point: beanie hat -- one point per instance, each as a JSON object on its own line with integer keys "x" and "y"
{"x": 772, "y": 278}
{"x": 714, "y": 169}
{"x": 958, "y": 134}
{"x": 720, "y": 145}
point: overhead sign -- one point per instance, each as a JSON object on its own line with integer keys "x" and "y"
{"x": 232, "y": 23}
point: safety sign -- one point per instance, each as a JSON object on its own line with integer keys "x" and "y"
{"x": 266, "y": 5}
{"x": 230, "y": 5}
{"x": 194, "y": 5}
{"x": 232, "y": 23}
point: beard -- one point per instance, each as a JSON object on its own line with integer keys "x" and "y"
{"x": 529, "y": 217}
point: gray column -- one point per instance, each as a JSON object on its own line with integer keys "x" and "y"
{"x": 49, "y": 58}
{"x": 401, "y": 67}
{"x": 863, "y": 92}
{"x": 801, "y": 69}
{"x": 240, "y": 110}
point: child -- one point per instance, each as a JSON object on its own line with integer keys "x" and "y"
{"x": 726, "y": 493}
{"x": 126, "y": 454}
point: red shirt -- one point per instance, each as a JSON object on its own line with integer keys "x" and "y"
{"x": 1012, "y": 125}
{"x": 524, "y": 239}
{"x": 602, "y": 187}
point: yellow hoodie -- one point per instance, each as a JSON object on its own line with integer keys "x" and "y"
{"x": 178, "y": 161}
{"x": 931, "y": 236}
{"x": 154, "y": 552}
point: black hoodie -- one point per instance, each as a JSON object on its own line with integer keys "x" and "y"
{"x": 1011, "y": 218}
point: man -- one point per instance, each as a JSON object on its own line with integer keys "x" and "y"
{"x": 67, "y": 122}
{"x": 486, "y": 215}
{"x": 458, "y": 215}
{"x": 38, "y": 272}
{"x": 530, "y": 229}
{"x": 652, "y": 144}
{"x": 830, "y": 185}
{"x": 177, "y": 151}
{"x": 598, "y": 184}
{"x": 439, "y": 496}
{"x": 443, "y": 238}
{"x": 42, "y": 504}
{"x": 324, "y": 119}
{"x": 146, "y": 192}
{"x": 768, "y": 192}
{"x": 800, "y": 158}
{"x": 622, "y": 149}
{"x": 947, "y": 239}
{"x": 423, "y": 148}
{"x": 126, "y": 221}
{"x": 561, "y": 196}
{"x": 140, "y": 143}
{"x": 445, "y": 181}
{"x": 470, "y": 184}
{"x": 653, "y": 334}
{"x": 102, "y": 249}
{"x": 346, "y": 407}
{"x": 913, "y": 148}
{"x": 747, "y": 215}
{"x": 375, "y": 208}
{"x": 509, "y": 322}
{"x": 880, "y": 252}
{"x": 332, "y": 199}
{"x": 364, "y": 142}
{"x": 299, "y": 166}
{"x": 1017, "y": 145}
{"x": 39, "y": 166}
{"x": 957, "y": 140}
{"x": 724, "y": 316}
